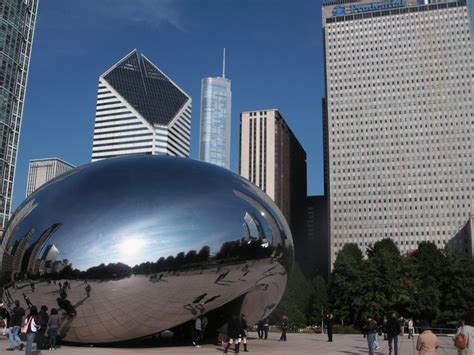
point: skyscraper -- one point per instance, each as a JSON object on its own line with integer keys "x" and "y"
{"x": 272, "y": 158}
{"x": 216, "y": 98}
{"x": 140, "y": 111}
{"x": 40, "y": 171}
{"x": 399, "y": 113}
{"x": 17, "y": 22}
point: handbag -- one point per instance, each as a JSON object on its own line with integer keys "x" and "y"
{"x": 25, "y": 326}
{"x": 460, "y": 340}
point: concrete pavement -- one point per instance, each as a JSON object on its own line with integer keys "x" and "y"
{"x": 297, "y": 344}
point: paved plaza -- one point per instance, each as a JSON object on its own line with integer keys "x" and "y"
{"x": 296, "y": 344}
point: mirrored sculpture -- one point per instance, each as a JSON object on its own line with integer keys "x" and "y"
{"x": 131, "y": 246}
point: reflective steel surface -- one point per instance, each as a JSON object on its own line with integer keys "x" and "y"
{"x": 129, "y": 246}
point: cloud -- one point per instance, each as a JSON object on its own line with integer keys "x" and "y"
{"x": 150, "y": 12}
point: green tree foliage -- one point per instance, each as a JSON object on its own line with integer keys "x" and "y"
{"x": 347, "y": 283}
{"x": 429, "y": 284}
{"x": 318, "y": 301}
{"x": 299, "y": 294}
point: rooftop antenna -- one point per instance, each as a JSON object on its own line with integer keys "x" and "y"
{"x": 223, "y": 66}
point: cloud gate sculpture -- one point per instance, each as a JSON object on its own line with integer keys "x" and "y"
{"x": 131, "y": 246}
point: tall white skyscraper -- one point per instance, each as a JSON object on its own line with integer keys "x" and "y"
{"x": 398, "y": 121}
{"x": 216, "y": 98}
{"x": 140, "y": 111}
{"x": 17, "y": 22}
{"x": 40, "y": 171}
{"x": 273, "y": 159}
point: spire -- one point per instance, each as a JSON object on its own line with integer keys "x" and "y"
{"x": 223, "y": 66}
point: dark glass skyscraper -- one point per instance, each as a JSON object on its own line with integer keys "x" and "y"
{"x": 17, "y": 24}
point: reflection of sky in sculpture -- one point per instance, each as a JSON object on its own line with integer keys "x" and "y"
{"x": 132, "y": 210}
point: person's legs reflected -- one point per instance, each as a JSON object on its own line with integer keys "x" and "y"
{"x": 395, "y": 344}
{"x": 390, "y": 341}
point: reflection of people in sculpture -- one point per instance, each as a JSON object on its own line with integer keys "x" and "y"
{"x": 243, "y": 329}
{"x": 88, "y": 290}
{"x": 4, "y": 318}
{"x": 32, "y": 285}
{"x": 27, "y": 300}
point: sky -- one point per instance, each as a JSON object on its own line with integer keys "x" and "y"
{"x": 274, "y": 58}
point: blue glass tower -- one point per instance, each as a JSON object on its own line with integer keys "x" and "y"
{"x": 216, "y": 98}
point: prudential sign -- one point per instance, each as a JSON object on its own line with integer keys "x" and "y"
{"x": 343, "y": 10}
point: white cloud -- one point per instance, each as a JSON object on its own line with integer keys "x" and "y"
{"x": 151, "y": 12}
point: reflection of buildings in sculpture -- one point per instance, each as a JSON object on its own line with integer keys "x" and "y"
{"x": 140, "y": 111}
{"x": 279, "y": 236}
{"x": 45, "y": 265}
{"x": 32, "y": 253}
{"x": 6, "y": 257}
{"x": 40, "y": 171}
{"x": 18, "y": 251}
{"x": 253, "y": 229}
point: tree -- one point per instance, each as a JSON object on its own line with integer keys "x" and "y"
{"x": 318, "y": 301}
{"x": 347, "y": 283}
{"x": 386, "y": 282}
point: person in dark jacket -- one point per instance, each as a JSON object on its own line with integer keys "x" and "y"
{"x": 15, "y": 321}
{"x": 371, "y": 330}
{"x": 284, "y": 328}
{"x": 260, "y": 328}
{"x": 330, "y": 322}
{"x": 234, "y": 330}
{"x": 243, "y": 331}
{"x": 392, "y": 328}
{"x": 44, "y": 317}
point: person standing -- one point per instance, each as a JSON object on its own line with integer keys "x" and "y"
{"x": 234, "y": 333}
{"x": 411, "y": 328}
{"x": 392, "y": 328}
{"x": 467, "y": 329}
{"x": 4, "y": 317}
{"x": 371, "y": 330}
{"x": 44, "y": 317}
{"x": 330, "y": 322}
{"x": 284, "y": 328}
{"x": 197, "y": 331}
{"x": 88, "y": 290}
{"x": 260, "y": 328}
{"x": 266, "y": 328}
{"x": 427, "y": 342}
{"x": 53, "y": 326}
{"x": 32, "y": 323}
{"x": 17, "y": 316}
{"x": 243, "y": 331}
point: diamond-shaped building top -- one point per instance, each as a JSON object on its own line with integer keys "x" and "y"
{"x": 140, "y": 110}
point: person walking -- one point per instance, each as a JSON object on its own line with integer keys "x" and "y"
{"x": 260, "y": 328}
{"x": 53, "y": 326}
{"x": 32, "y": 323}
{"x": 88, "y": 290}
{"x": 234, "y": 333}
{"x": 243, "y": 331}
{"x": 44, "y": 317}
{"x": 392, "y": 328}
{"x": 330, "y": 323}
{"x": 427, "y": 341}
{"x": 197, "y": 332}
{"x": 411, "y": 328}
{"x": 284, "y": 328}
{"x": 467, "y": 330}
{"x": 370, "y": 329}
{"x": 14, "y": 340}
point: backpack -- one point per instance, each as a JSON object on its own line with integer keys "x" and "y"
{"x": 460, "y": 340}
